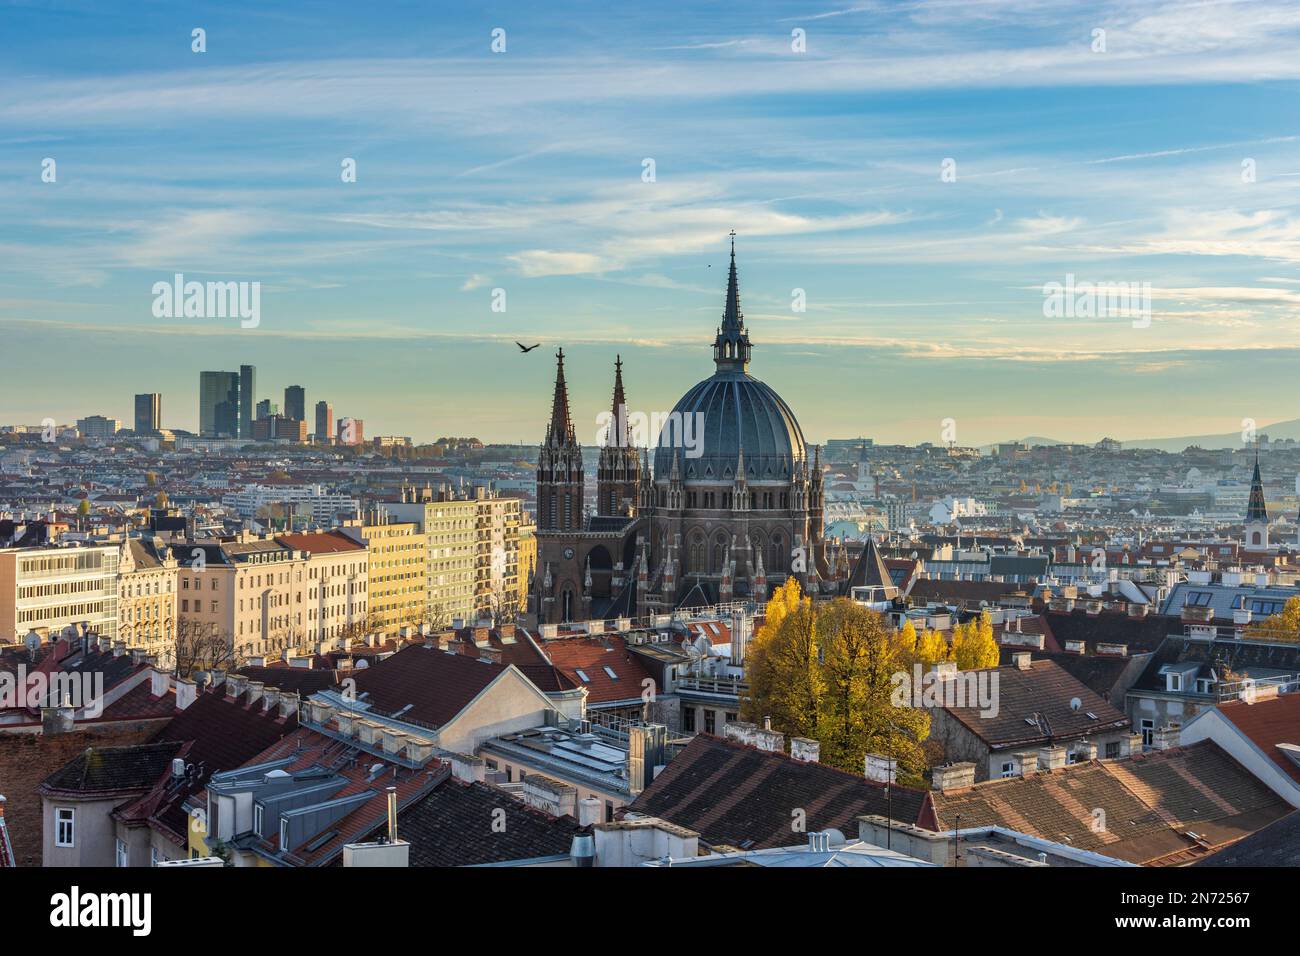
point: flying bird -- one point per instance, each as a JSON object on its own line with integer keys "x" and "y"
{"x": 526, "y": 348}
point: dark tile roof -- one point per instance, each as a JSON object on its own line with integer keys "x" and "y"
{"x": 1250, "y": 657}
{"x": 1278, "y": 844}
{"x": 1109, "y": 627}
{"x": 303, "y": 681}
{"x": 1100, "y": 673}
{"x": 1151, "y": 802}
{"x": 438, "y": 685}
{"x": 114, "y": 769}
{"x": 225, "y": 732}
{"x": 960, "y": 592}
{"x": 1045, "y": 689}
{"x": 736, "y": 795}
{"x": 453, "y": 826}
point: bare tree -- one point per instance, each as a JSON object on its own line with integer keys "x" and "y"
{"x": 201, "y": 646}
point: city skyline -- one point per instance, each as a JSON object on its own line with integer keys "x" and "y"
{"x": 1167, "y": 159}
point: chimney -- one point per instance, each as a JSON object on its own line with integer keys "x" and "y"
{"x": 57, "y": 720}
{"x": 119, "y": 648}
{"x": 289, "y": 704}
{"x": 1026, "y": 763}
{"x": 1166, "y": 738}
{"x": 393, "y": 740}
{"x": 1116, "y": 650}
{"x": 419, "y": 750}
{"x": 1051, "y": 758}
{"x": 255, "y": 688}
{"x": 583, "y": 850}
{"x": 186, "y": 692}
{"x": 270, "y": 698}
{"x": 1075, "y": 647}
{"x": 882, "y": 769}
{"x": 468, "y": 768}
{"x": 589, "y": 811}
{"x": 805, "y": 750}
{"x": 944, "y": 670}
{"x": 1022, "y": 660}
{"x": 1085, "y": 752}
{"x": 1130, "y": 744}
{"x": 953, "y": 776}
{"x": 159, "y": 682}
{"x": 236, "y": 684}
{"x": 137, "y": 656}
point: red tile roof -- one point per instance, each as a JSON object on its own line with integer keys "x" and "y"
{"x": 1268, "y": 723}
{"x": 587, "y": 657}
{"x": 324, "y": 542}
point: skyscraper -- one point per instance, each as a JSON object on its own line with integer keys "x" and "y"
{"x": 148, "y": 413}
{"x": 265, "y": 409}
{"x": 295, "y": 403}
{"x": 219, "y": 404}
{"x": 247, "y": 399}
{"x": 324, "y": 423}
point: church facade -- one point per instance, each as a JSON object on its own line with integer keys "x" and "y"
{"x": 724, "y": 518}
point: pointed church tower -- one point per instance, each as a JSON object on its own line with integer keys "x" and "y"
{"x": 1256, "y": 511}
{"x": 618, "y": 474}
{"x": 731, "y": 348}
{"x": 559, "y": 464}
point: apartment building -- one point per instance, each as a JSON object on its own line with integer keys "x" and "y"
{"x": 266, "y": 595}
{"x": 47, "y": 588}
{"x": 471, "y": 550}
{"x": 146, "y": 587}
{"x": 396, "y": 582}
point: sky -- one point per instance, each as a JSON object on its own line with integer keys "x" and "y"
{"x": 920, "y": 171}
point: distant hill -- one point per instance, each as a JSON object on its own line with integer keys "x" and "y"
{"x": 1287, "y": 429}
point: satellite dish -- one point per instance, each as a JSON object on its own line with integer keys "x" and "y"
{"x": 1075, "y": 703}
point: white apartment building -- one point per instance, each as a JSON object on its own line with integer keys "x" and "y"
{"x": 52, "y": 587}
{"x": 322, "y": 506}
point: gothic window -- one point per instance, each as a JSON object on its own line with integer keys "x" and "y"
{"x": 697, "y": 554}
{"x": 777, "y": 561}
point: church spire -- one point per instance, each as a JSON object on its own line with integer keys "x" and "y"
{"x": 619, "y": 435}
{"x": 560, "y": 431}
{"x": 1256, "y": 510}
{"x": 731, "y": 347}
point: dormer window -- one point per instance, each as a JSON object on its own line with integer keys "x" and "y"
{"x": 1174, "y": 683}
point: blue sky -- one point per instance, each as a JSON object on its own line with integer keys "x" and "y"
{"x": 522, "y": 171}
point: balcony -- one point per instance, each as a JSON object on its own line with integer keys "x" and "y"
{"x": 731, "y": 687}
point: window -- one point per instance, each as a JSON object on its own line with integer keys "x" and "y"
{"x": 1174, "y": 682}
{"x": 609, "y": 811}
{"x": 1008, "y": 770}
{"x": 284, "y": 834}
{"x": 65, "y": 826}
{"x": 1112, "y": 750}
{"x": 153, "y": 856}
{"x": 709, "y": 721}
{"x": 688, "y": 720}
{"x": 257, "y": 818}
{"x": 122, "y": 855}
{"x": 1148, "y": 731}
{"x": 194, "y": 854}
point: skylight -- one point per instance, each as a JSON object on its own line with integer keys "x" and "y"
{"x": 582, "y": 676}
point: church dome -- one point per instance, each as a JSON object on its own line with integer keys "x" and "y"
{"x": 731, "y": 413}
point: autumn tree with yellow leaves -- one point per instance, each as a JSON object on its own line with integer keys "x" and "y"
{"x": 824, "y": 671}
